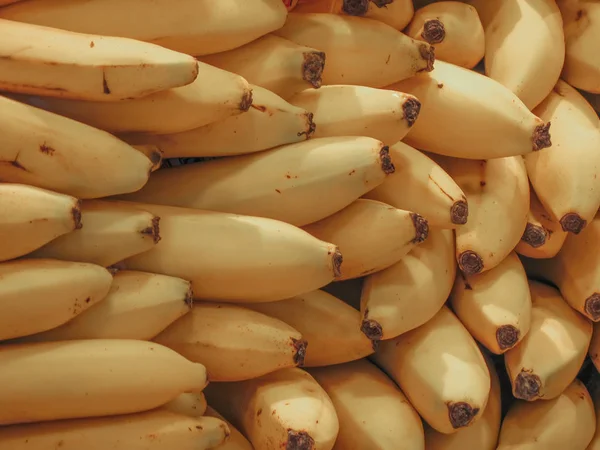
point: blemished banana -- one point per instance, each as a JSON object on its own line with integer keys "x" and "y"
{"x": 46, "y": 150}
{"x": 233, "y": 342}
{"x": 139, "y": 305}
{"x": 419, "y": 184}
{"x": 111, "y": 232}
{"x": 329, "y": 325}
{"x": 270, "y": 122}
{"x": 91, "y": 378}
{"x": 224, "y": 25}
{"x": 498, "y": 193}
{"x": 215, "y": 95}
{"x": 192, "y": 404}
{"x": 409, "y": 293}
{"x": 153, "y": 153}
{"x": 448, "y": 399}
{"x": 548, "y": 358}
{"x": 284, "y": 409}
{"x": 286, "y": 183}
{"x": 152, "y": 430}
{"x": 575, "y": 155}
{"x": 497, "y": 320}
{"x": 454, "y": 29}
{"x": 359, "y": 51}
{"x": 31, "y": 217}
{"x": 371, "y": 235}
{"x": 453, "y": 120}
{"x": 40, "y": 294}
{"x": 47, "y": 61}
{"x": 372, "y": 411}
{"x": 236, "y": 440}
{"x": 565, "y": 422}
{"x": 531, "y": 70}
{"x": 345, "y": 110}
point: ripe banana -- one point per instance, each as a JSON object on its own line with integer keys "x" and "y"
{"x": 284, "y": 409}
{"x": 454, "y": 29}
{"x": 575, "y": 155}
{"x": 56, "y": 63}
{"x": 233, "y": 342}
{"x": 189, "y": 404}
{"x": 194, "y": 27}
{"x": 31, "y": 217}
{"x": 548, "y": 358}
{"x": 345, "y": 110}
{"x": 419, "y": 184}
{"x": 236, "y": 440}
{"x": 90, "y": 378}
{"x": 409, "y": 293}
{"x": 372, "y": 411}
{"x": 359, "y": 51}
{"x": 37, "y": 295}
{"x": 497, "y": 320}
{"x": 286, "y": 183}
{"x": 330, "y": 326}
{"x": 566, "y": 422}
{"x": 449, "y": 397}
{"x": 111, "y": 232}
{"x": 270, "y": 122}
{"x": 453, "y": 120}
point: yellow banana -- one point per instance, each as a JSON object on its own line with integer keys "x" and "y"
{"x": 236, "y": 440}
{"x": 192, "y": 404}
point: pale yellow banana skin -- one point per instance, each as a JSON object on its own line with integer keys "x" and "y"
{"x": 439, "y": 367}
{"x": 566, "y": 422}
{"x": 411, "y": 292}
{"x": 548, "y": 358}
{"x": 91, "y": 378}
{"x": 189, "y": 404}
{"x": 372, "y": 411}
{"x": 110, "y": 233}
{"x": 226, "y": 24}
{"x": 270, "y": 122}
{"x": 419, "y": 184}
{"x": 31, "y": 217}
{"x": 236, "y": 440}
{"x": 359, "y": 51}
{"x": 153, "y": 430}
{"x": 39, "y": 294}
{"x": 330, "y": 327}
{"x": 495, "y": 306}
{"x": 286, "y": 183}
{"x": 284, "y": 409}
{"x": 455, "y": 122}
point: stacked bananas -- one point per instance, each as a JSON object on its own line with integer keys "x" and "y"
{"x": 299, "y": 225}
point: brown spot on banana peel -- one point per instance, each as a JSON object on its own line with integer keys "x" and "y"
{"x": 461, "y": 414}
{"x": 105, "y": 88}
{"x": 527, "y": 386}
{"x": 541, "y": 137}
{"x": 470, "y": 262}
{"x": 459, "y": 212}
{"x": 246, "y": 102}
{"x": 355, "y": 7}
{"x": 371, "y": 328}
{"x": 76, "y": 215}
{"x": 336, "y": 262}
{"x": 312, "y": 68}
{"x": 46, "y": 149}
{"x": 534, "y": 235}
{"x": 382, "y": 3}
{"x": 299, "y": 346}
{"x": 299, "y": 440}
{"x": 310, "y": 126}
{"x": 411, "y": 109}
{"x": 592, "y": 306}
{"x": 189, "y": 297}
{"x": 153, "y": 230}
{"x": 421, "y": 228}
{"x": 386, "y": 160}
{"x": 427, "y": 52}
{"x": 507, "y": 336}
{"x": 572, "y": 223}
{"x": 434, "y": 31}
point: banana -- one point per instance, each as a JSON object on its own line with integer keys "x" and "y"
{"x": 453, "y": 120}
{"x": 286, "y": 183}
{"x": 567, "y": 421}
{"x": 37, "y": 295}
{"x": 91, "y": 378}
{"x": 31, "y": 217}
{"x": 153, "y": 153}
{"x": 345, "y": 110}
{"x": 236, "y": 440}
{"x": 419, "y": 184}
{"x": 371, "y": 235}
{"x": 284, "y": 409}
{"x": 189, "y": 404}
{"x": 409, "y": 293}
{"x": 497, "y": 320}
{"x": 330, "y": 326}
{"x": 153, "y": 430}
{"x": 548, "y": 358}
{"x": 359, "y": 51}
{"x": 372, "y": 411}
{"x": 233, "y": 342}
{"x": 270, "y": 122}
{"x": 194, "y": 27}
{"x": 454, "y": 29}
{"x": 46, "y": 61}
{"x": 448, "y": 397}
{"x": 110, "y": 233}
{"x": 575, "y": 155}
{"x": 215, "y": 95}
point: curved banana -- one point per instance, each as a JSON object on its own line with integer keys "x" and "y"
{"x": 236, "y": 440}
{"x": 192, "y": 404}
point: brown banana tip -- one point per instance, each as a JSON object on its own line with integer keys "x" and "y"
{"x": 153, "y": 231}
{"x": 461, "y": 414}
{"x": 299, "y": 346}
{"x": 411, "y": 109}
{"x": 572, "y": 223}
{"x": 310, "y": 126}
{"x": 534, "y": 235}
{"x": 372, "y": 329}
{"x": 459, "y": 212}
{"x": 434, "y": 31}
{"x": 76, "y": 215}
{"x": 312, "y": 68}
{"x": 428, "y": 54}
{"x": 386, "y": 160}
{"x": 592, "y": 306}
{"x": 355, "y": 7}
{"x": 470, "y": 263}
{"x": 541, "y": 137}
{"x": 247, "y": 100}
{"x": 421, "y": 228}
{"x": 382, "y": 3}
{"x": 113, "y": 270}
{"x": 507, "y": 336}
{"x": 337, "y": 259}
{"x": 527, "y": 386}
{"x": 299, "y": 440}
{"x": 189, "y": 297}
